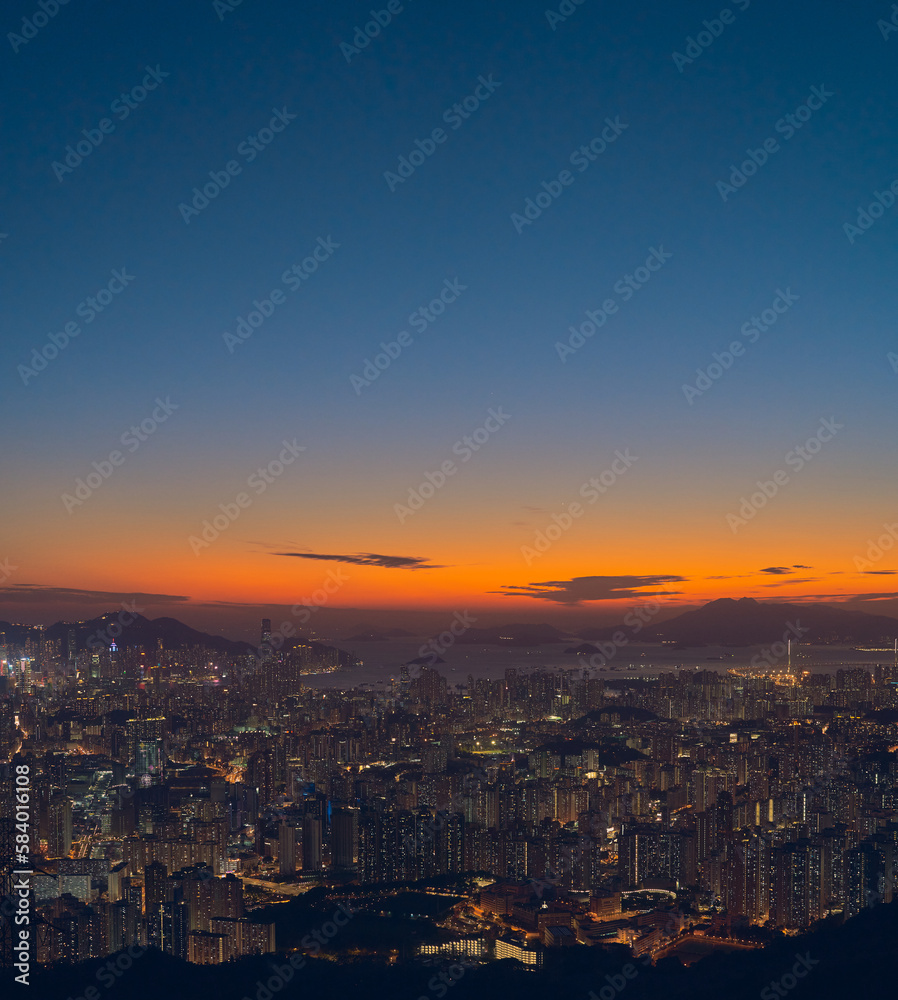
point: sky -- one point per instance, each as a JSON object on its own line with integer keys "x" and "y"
{"x": 439, "y": 422}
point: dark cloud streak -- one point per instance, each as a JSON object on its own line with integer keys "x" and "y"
{"x": 367, "y": 559}
{"x": 37, "y": 593}
{"x": 593, "y": 588}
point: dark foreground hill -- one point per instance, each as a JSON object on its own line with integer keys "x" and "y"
{"x": 855, "y": 959}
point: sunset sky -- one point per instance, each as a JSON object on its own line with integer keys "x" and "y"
{"x": 542, "y": 420}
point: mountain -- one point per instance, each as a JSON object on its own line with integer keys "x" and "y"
{"x": 747, "y": 622}
{"x": 128, "y": 630}
{"x": 134, "y": 630}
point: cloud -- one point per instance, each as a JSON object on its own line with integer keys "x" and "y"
{"x": 777, "y": 570}
{"x": 799, "y": 566}
{"x": 833, "y": 598}
{"x": 593, "y": 588}
{"x": 880, "y": 572}
{"x": 37, "y": 593}
{"x": 368, "y": 559}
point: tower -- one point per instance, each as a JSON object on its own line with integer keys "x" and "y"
{"x": 265, "y": 640}
{"x": 59, "y": 839}
{"x": 287, "y": 849}
{"x": 311, "y": 843}
{"x": 345, "y": 837}
{"x": 146, "y": 749}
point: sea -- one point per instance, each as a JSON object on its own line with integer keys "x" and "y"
{"x": 381, "y": 662}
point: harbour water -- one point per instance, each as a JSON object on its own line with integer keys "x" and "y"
{"x": 381, "y": 661}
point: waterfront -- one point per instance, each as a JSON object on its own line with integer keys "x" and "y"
{"x": 382, "y": 661}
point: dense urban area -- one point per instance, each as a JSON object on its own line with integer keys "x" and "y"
{"x": 214, "y": 806}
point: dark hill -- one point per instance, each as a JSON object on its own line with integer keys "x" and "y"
{"x": 747, "y": 622}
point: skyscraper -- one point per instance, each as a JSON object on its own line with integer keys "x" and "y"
{"x": 311, "y": 843}
{"x": 345, "y": 837}
{"x": 146, "y": 748}
{"x": 59, "y": 832}
{"x": 287, "y": 849}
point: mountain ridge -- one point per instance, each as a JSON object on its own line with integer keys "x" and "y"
{"x": 131, "y": 629}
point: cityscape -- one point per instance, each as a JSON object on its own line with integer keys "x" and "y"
{"x": 185, "y": 799}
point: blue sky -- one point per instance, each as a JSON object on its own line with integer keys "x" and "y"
{"x": 323, "y": 177}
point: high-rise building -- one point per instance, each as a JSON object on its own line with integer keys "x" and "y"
{"x": 311, "y": 843}
{"x": 265, "y": 640}
{"x": 122, "y": 925}
{"x": 345, "y": 837}
{"x": 154, "y": 886}
{"x": 59, "y": 830}
{"x": 146, "y": 749}
{"x": 798, "y": 895}
{"x": 287, "y": 849}
{"x": 245, "y": 937}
